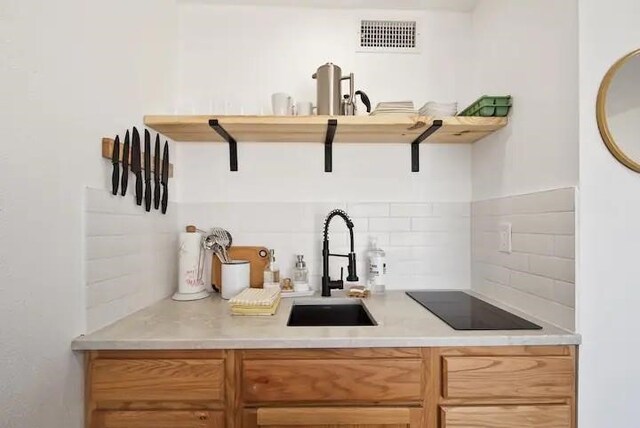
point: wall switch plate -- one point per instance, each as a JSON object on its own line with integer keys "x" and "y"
{"x": 504, "y": 232}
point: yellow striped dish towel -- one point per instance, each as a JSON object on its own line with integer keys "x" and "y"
{"x": 256, "y": 301}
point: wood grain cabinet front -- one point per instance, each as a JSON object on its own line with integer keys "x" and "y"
{"x": 508, "y": 377}
{"x": 542, "y": 416}
{"x": 158, "y": 419}
{"x": 335, "y": 417}
{"x": 332, "y": 380}
{"x": 157, "y": 379}
{"x": 448, "y": 387}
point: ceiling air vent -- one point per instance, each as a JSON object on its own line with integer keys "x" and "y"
{"x": 388, "y": 36}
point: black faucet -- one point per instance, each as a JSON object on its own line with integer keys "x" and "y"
{"x": 327, "y": 283}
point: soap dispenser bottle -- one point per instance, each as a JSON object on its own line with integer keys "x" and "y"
{"x": 377, "y": 267}
{"x": 300, "y": 274}
{"x": 271, "y": 274}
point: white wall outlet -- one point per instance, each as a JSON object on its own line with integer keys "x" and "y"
{"x": 504, "y": 232}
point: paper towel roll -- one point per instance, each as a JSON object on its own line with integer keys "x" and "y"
{"x": 191, "y": 262}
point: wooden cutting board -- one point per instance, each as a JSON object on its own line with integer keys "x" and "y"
{"x": 258, "y": 258}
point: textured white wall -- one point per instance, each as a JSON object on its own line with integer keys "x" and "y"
{"x": 72, "y": 72}
{"x": 529, "y": 49}
{"x": 609, "y": 208}
{"x": 252, "y": 52}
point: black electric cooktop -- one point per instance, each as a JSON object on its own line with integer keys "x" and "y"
{"x": 464, "y": 312}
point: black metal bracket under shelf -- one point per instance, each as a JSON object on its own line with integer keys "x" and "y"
{"x": 415, "y": 145}
{"x": 233, "y": 144}
{"x": 332, "y": 124}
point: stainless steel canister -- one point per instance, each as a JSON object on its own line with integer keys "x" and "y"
{"x": 329, "y": 93}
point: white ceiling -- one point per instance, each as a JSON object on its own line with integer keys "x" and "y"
{"x": 452, "y": 5}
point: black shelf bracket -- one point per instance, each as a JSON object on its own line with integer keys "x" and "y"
{"x": 415, "y": 146}
{"x": 332, "y": 124}
{"x": 233, "y": 144}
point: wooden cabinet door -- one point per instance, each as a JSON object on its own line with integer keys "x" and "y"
{"x": 158, "y": 419}
{"x": 519, "y": 416}
{"x": 334, "y": 417}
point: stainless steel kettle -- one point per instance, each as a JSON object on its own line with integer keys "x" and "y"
{"x": 330, "y": 100}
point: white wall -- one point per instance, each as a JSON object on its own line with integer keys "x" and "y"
{"x": 252, "y": 52}
{"x": 529, "y": 49}
{"x": 235, "y": 65}
{"x": 72, "y": 72}
{"x": 609, "y": 208}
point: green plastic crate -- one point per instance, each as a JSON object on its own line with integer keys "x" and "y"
{"x": 489, "y": 106}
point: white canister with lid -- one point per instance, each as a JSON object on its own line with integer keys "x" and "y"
{"x": 235, "y": 277}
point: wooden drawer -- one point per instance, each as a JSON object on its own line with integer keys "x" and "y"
{"x": 324, "y": 380}
{"x": 550, "y": 416}
{"x": 387, "y": 417}
{"x": 507, "y": 377}
{"x": 156, "y": 379}
{"x": 158, "y": 419}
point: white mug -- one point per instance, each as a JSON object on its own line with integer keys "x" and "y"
{"x": 282, "y": 104}
{"x": 304, "y": 108}
{"x": 234, "y": 277}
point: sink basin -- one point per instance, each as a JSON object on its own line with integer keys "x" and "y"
{"x": 336, "y": 313}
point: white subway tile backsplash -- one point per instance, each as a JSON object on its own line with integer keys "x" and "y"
{"x": 565, "y": 246}
{"x": 532, "y": 243}
{"x": 546, "y": 223}
{"x": 452, "y": 209}
{"x": 112, "y": 267}
{"x": 559, "y": 200}
{"x": 411, "y": 210}
{"x": 130, "y": 256}
{"x": 494, "y": 273}
{"x": 424, "y": 239}
{"x": 389, "y": 224}
{"x": 533, "y": 284}
{"x": 552, "y": 267}
{"x": 513, "y": 261}
{"x": 415, "y": 259}
{"x": 564, "y": 293}
{"x": 368, "y": 209}
{"x": 538, "y": 276}
{"x": 441, "y": 224}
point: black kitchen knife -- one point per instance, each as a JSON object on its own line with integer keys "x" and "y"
{"x": 115, "y": 160}
{"x": 125, "y": 165}
{"x": 156, "y": 174}
{"x": 135, "y": 164}
{"x": 147, "y": 170}
{"x": 165, "y": 177}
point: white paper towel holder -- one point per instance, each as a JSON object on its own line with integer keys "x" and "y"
{"x": 193, "y": 293}
{"x": 184, "y": 297}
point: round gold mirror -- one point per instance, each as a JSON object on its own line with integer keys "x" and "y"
{"x": 618, "y": 110}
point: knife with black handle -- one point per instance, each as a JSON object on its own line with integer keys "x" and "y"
{"x": 115, "y": 160}
{"x": 125, "y": 165}
{"x": 147, "y": 170}
{"x": 165, "y": 178}
{"x": 135, "y": 164}
{"x": 156, "y": 174}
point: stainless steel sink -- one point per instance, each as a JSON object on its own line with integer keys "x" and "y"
{"x": 330, "y": 312}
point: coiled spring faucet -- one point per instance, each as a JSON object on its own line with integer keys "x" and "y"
{"x": 327, "y": 283}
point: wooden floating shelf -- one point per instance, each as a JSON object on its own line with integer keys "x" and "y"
{"x": 107, "y": 150}
{"x": 313, "y": 129}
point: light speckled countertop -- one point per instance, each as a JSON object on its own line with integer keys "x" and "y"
{"x": 207, "y": 324}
